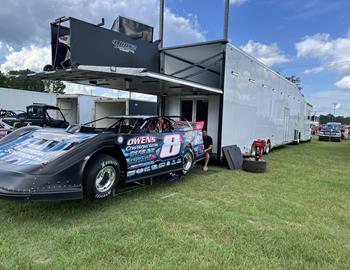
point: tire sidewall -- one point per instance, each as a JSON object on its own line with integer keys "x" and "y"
{"x": 268, "y": 148}
{"x": 184, "y": 172}
{"x": 95, "y": 166}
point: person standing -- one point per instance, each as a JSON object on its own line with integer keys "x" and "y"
{"x": 208, "y": 146}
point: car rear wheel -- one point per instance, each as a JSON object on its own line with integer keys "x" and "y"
{"x": 187, "y": 162}
{"x": 101, "y": 176}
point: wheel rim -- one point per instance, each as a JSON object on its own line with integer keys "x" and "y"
{"x": 187, "y": 161}
{"x": 253, "y": 152}
{"x": 105, "y": 178}
{"x": 267, "y": 148}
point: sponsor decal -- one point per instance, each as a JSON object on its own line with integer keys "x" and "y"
{"x": 124, "y": 46}
{"x": 120, "y": 140}
{"x": 39, "y": 147}
{"x": 154, "y": 167}
{"x": 142, "y": 140}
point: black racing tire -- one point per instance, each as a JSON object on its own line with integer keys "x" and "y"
{"x": 187, "y": 162}
{"x": 255, "y": 166}
{"x": 101, "y": 176}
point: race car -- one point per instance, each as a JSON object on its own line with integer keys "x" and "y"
{"x": 5, "y": 129}
{"x": 89, "y": 160}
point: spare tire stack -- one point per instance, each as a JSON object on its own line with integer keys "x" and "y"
{"x": 253, "y": 165}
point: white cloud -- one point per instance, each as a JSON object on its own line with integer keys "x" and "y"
{"x": 268, "y": 54}
{"x": 323, "y": 101}
{"x": 238, "y": 2}
{"x": 314, "y": 70}
{"x": 32, "y": 57}
{"x": 344, "y": 83}
{"x": 333, "y": 54}
{"x": 5, "y": 49}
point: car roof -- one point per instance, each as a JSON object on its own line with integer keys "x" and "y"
{"x": 333, "y": 123}
{"x": 132, "y": 116}
{"x": 43, "y": 105}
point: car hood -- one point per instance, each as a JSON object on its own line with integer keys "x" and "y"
{"x": 39, "y": 147}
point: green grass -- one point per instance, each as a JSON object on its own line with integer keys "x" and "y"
{"x": 295, "y": 216}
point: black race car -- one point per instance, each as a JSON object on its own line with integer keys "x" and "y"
{"x": 55, "y": 164}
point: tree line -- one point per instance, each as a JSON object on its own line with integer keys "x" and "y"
{"x": 324, "y": 119}
{"x": 16, "y": 79}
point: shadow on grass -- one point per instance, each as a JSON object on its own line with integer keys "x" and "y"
{"x": 39, "y": 211}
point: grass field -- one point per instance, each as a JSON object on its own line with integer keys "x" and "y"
{"x": 296, "y": 216}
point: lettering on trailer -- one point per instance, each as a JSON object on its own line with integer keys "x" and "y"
{"x": 124, "y": 46}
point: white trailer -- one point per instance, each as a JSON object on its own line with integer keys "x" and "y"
{"x": 80, "y": 109}
{"x": 18, "y": 100}
{"x": 239, "y": 98}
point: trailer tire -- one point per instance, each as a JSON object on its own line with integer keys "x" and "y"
{"x": 254, "y": 166}
{"x": 101, "y": 176}
{"x": 267, "y": 149}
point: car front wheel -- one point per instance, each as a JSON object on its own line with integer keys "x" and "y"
{"x": 101, "y": 176}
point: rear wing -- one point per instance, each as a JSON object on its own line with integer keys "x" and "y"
{"x": 184, "y": 124}
{"x": 193, "y": 125}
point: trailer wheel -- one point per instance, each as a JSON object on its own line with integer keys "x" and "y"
{"x": 255, "y": 166}
{"x": 267, "y": 148}
{"x": 253, "y": 151}
{"x": 101, "y": 176}
{"x": 187, "y": 162}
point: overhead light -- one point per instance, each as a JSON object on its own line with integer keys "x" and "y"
{"x": 234, "y": 73}
{"x": 251, "y": 80}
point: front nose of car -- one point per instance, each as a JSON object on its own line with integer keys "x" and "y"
{"x": 15, "y": 184}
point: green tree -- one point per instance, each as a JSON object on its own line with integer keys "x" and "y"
{"x": 17, "y": 79}
{"x": 56, "y": 87}
{"x": 296, "y": 80}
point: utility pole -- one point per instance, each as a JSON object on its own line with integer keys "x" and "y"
{"x": 334, "y": 107}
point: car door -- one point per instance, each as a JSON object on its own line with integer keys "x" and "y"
{"x": 152, "y": 150}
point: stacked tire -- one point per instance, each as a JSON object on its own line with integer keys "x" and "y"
{"x": 254, "y": 166}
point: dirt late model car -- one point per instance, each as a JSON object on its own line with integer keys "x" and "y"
{"x": 89, "y": 160}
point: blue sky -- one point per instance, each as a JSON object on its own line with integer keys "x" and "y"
{"x": 309, "y": 39}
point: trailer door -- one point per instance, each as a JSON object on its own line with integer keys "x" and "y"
{"x": 286, "y": 124}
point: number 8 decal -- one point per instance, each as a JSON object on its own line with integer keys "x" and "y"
{"x": 171, "y": 146}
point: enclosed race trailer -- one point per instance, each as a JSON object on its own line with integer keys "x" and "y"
{"x": 239, "y": 98}
{"x": 80, "y": 109}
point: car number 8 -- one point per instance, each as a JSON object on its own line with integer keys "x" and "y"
{"x": 171, "y": 146}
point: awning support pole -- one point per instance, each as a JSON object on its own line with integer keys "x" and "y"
{"x": 227, "y": 17}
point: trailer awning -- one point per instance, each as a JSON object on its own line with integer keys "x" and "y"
{"x": 128, "y": 79}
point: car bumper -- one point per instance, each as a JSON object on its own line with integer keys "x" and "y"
{"x": 21, "y": 186}
{"x": 42, "y": 196}
{"x": 329, "y": 138}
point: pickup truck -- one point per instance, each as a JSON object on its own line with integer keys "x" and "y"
{"x": 330, "y": 132}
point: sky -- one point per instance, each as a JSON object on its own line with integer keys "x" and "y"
{"x": 309, "y": 39}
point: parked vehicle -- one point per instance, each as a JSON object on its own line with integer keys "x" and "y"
{"x": 39, "y": 115}
{"x": 330, "y": 132}
{"x": 55, "y": 164}
{"x": 5, "y": 129}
